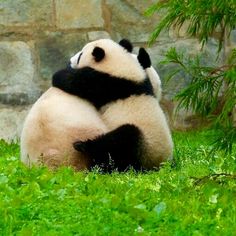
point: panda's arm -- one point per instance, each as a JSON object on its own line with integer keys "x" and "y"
{"x": 63, "y": 79}
{"x": 81, "y": 82}
{"x": 97, "y": 87}
{"x": 85, "y": 83}
{"x": 77, "y": 82}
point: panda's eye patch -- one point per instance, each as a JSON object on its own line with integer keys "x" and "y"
{"x": 79, "y": 58}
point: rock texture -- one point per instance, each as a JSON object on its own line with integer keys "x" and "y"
{"x": 80, "y": 14}
{"x": 26, "y": 13}
{"x": 12, "y": 119}
{"x": 55, "y": 50}
{"x": 18, "y": 72}
{"x": 38, "y": 37}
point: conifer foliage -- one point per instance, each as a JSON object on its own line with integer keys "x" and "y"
{"x": 212, "y": 89}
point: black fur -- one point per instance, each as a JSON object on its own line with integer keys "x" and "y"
{"x": 97, "y": 87}
{"x": 126, "y": 44}
{"x": 79, "y": 57}
{"x": 116, "y": 150}
{"x": 144, "y": 58}
{"x": 98, "y": 54}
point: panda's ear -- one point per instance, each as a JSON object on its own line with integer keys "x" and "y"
{"x": 98, "y": 54}
{"x": 126, "y": 44}
{"x": 144, "y": 58}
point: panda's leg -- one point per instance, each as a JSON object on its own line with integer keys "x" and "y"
{"x": 118, "y": 149}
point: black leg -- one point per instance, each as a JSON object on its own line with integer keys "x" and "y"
{"x": 118, "y": 149}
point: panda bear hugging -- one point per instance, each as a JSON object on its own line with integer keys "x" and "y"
{"x": 109, "y": 76}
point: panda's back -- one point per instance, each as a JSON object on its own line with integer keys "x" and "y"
{"x": 56, "y": 120}
{"x": 144, "y": 112}
{"x": 60, "y": 108}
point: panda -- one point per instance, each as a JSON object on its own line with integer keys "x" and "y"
{"x": 114, "y": 81}
{"x": 47, "y": 140}
{"x": 55, "y": 121}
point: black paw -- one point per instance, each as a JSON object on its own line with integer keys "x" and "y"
{"x": 89, "y": 147}
{"x": 144, "y": 58}
{"x": 61, "y": 74}
{"x": 62, "y": 79}
{"x": 81, "y": 146}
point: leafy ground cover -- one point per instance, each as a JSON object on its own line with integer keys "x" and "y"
{"x": 194, "y": 196}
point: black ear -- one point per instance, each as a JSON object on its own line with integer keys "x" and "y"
{"x": 126, "y": 44}
{"x": 98, "y": 54}
{"x": 144, "y": 58}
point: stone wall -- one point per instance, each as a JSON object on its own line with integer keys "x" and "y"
{"x": 38, "y": 37}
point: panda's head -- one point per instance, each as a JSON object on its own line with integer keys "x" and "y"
{"x": 109, "y": 57}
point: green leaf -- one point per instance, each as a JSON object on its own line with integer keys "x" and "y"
{"x": 160, "y": 208}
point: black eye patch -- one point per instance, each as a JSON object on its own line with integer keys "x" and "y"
{"x": 79, "y": 58}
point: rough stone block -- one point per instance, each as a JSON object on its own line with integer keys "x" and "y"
{"x": 95, "y": 35}
{"x": 79, "y": 14}
{"x": 141, "y": 6}
{"x": 26, "y": 12}
{"x": 11, "y": 121}
{"x": 17, "y": 73}
{"x": 16, "y": 63}
{"x": 128, "y": 20}
{"x": 55, "y": 50}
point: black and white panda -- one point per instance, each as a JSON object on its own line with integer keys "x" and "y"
{"x": 113, "y": 80}
{"x": 55, "y": 121}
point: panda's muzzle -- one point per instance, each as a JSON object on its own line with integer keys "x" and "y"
{"x": 74, "y": 61}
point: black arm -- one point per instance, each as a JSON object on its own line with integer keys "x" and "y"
{"x": 63, "y": 79}
{"x": 97, "y": 87}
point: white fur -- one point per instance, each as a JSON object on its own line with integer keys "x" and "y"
{"x": 154, "y": 79}
{"x": 117, "y": 62}
{"x": 55, "y": 121}
{"x": 144, "y": 112}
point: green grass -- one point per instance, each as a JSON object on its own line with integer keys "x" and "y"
{"x": 196, "y": 196}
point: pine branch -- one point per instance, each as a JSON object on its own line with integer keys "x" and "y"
{"x": 203, "y": 17}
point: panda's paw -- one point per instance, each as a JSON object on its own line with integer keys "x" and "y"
{"x": 144, "y": 58}
{"x": 62, "y": 79}
{"x": 81, "y": 146}
{"x": 88, "y": 147}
